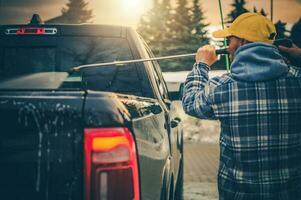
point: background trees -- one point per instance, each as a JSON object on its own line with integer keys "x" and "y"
{"x": 281, "y": 29}
{"x": 174, "y": 30}
{"x": 153, "y": 26}
{"x": 296, "y": 33}
{"x": 238, "y": 9}
{"x": 171, "y": 30}
{"x": 75, "y": 12}
{"x": 199, "y": 33}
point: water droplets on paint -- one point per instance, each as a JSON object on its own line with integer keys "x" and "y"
{"x": 24, "y": 112}
{"x": 37, "y": 116}
{"x": 4, "y": 102}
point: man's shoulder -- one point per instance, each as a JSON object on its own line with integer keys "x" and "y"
{"x": 219, "y": 83}
{"x": 221, "y": 80}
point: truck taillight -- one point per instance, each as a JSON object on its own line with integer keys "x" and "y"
{"x": 111, "y": 168}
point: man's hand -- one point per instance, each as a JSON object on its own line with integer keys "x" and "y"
{"x": 294, "y": 51}
{"x": 206, "y": 54}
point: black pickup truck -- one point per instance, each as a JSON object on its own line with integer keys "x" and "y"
{"x": 107, "y": 132}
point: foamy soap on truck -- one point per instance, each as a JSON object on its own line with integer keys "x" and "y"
{"x": 98, "y": 133}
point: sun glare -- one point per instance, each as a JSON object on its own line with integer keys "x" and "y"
{"x": 132, "y": 7}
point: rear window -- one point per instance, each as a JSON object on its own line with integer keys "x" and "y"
{"x": 41, "y": 65}
{"x": 19, "y": 61}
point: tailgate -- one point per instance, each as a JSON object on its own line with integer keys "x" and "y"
{"x": 41, "y": 145}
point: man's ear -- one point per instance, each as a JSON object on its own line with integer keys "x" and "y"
{"x": 243, "y": 42}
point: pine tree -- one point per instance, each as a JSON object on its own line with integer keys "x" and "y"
{"x": 77, "y": 12}
{"x": 180, "y": 29}
{"x": 153, "y": 26}
{"x": 181, "y": 22}
{"x": 148, "y": 23}
{"x": 163, "y": 19}
{"x": 165, "y": 9}
{"x": 171, "y": 31}
{"x": 262, "y": 11}
{"x": 166, "y": 12}
{"x": 280, "y": 29}
{"x": 238, "y": 10}
{"x": 296, "y": 33}
{"x": 199, "y": 33}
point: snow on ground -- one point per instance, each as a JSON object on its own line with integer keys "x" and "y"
{"x": 200, "y": 171}
{"x": 205, "y": 131}
{"x": 200, "y": 191}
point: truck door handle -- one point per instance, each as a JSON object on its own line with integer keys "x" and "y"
{"x": 175, "y": 122}
{"x": 178, "y": 119}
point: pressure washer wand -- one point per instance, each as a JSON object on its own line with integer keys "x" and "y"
{"x": 218, "y": 52}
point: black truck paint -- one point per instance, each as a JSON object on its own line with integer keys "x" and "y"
{"x": 43, "y": 114}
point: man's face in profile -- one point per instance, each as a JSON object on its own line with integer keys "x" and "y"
{"x": 234, "y": 43}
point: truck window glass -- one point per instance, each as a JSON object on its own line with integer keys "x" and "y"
{"x": 20, "y": 61}
{"x": 22, "y": 67}
{"x": 76, "y": 51}
{"x": 158, "y": 74}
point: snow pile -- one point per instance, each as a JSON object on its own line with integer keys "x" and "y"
{"x": 196, "y": 130}
{"x": 200, "y": 191}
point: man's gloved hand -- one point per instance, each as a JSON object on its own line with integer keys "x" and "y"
{"x": 206, "y": 54}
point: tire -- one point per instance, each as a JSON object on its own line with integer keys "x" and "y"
{"x": 163, "y": 194}
{"x": 171, "y": 190}
{"x": 179, "y": 195}
{"x": 165, "y": 189}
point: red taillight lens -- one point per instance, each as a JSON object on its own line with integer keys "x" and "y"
{"x": 30, "y": 31}
{"x": 111, "y": 169}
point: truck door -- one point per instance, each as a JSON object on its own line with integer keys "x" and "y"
{"x": 171, "y": 115}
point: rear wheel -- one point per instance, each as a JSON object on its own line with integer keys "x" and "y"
{"x": 171, "y": 190}
{"x": 163, "y": 194}
{"x": 180, "y": 181}
{"x": 165, "y": 189}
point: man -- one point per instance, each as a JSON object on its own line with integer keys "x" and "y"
{"x": 259, "y": 107}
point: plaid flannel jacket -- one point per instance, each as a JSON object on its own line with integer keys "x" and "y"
{"x": 260, "y": 141}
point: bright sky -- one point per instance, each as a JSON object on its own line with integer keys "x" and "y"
{"x": 128, "y": 12}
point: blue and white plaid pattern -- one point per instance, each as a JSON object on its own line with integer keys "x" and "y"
{"x": 260, "y": 142}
